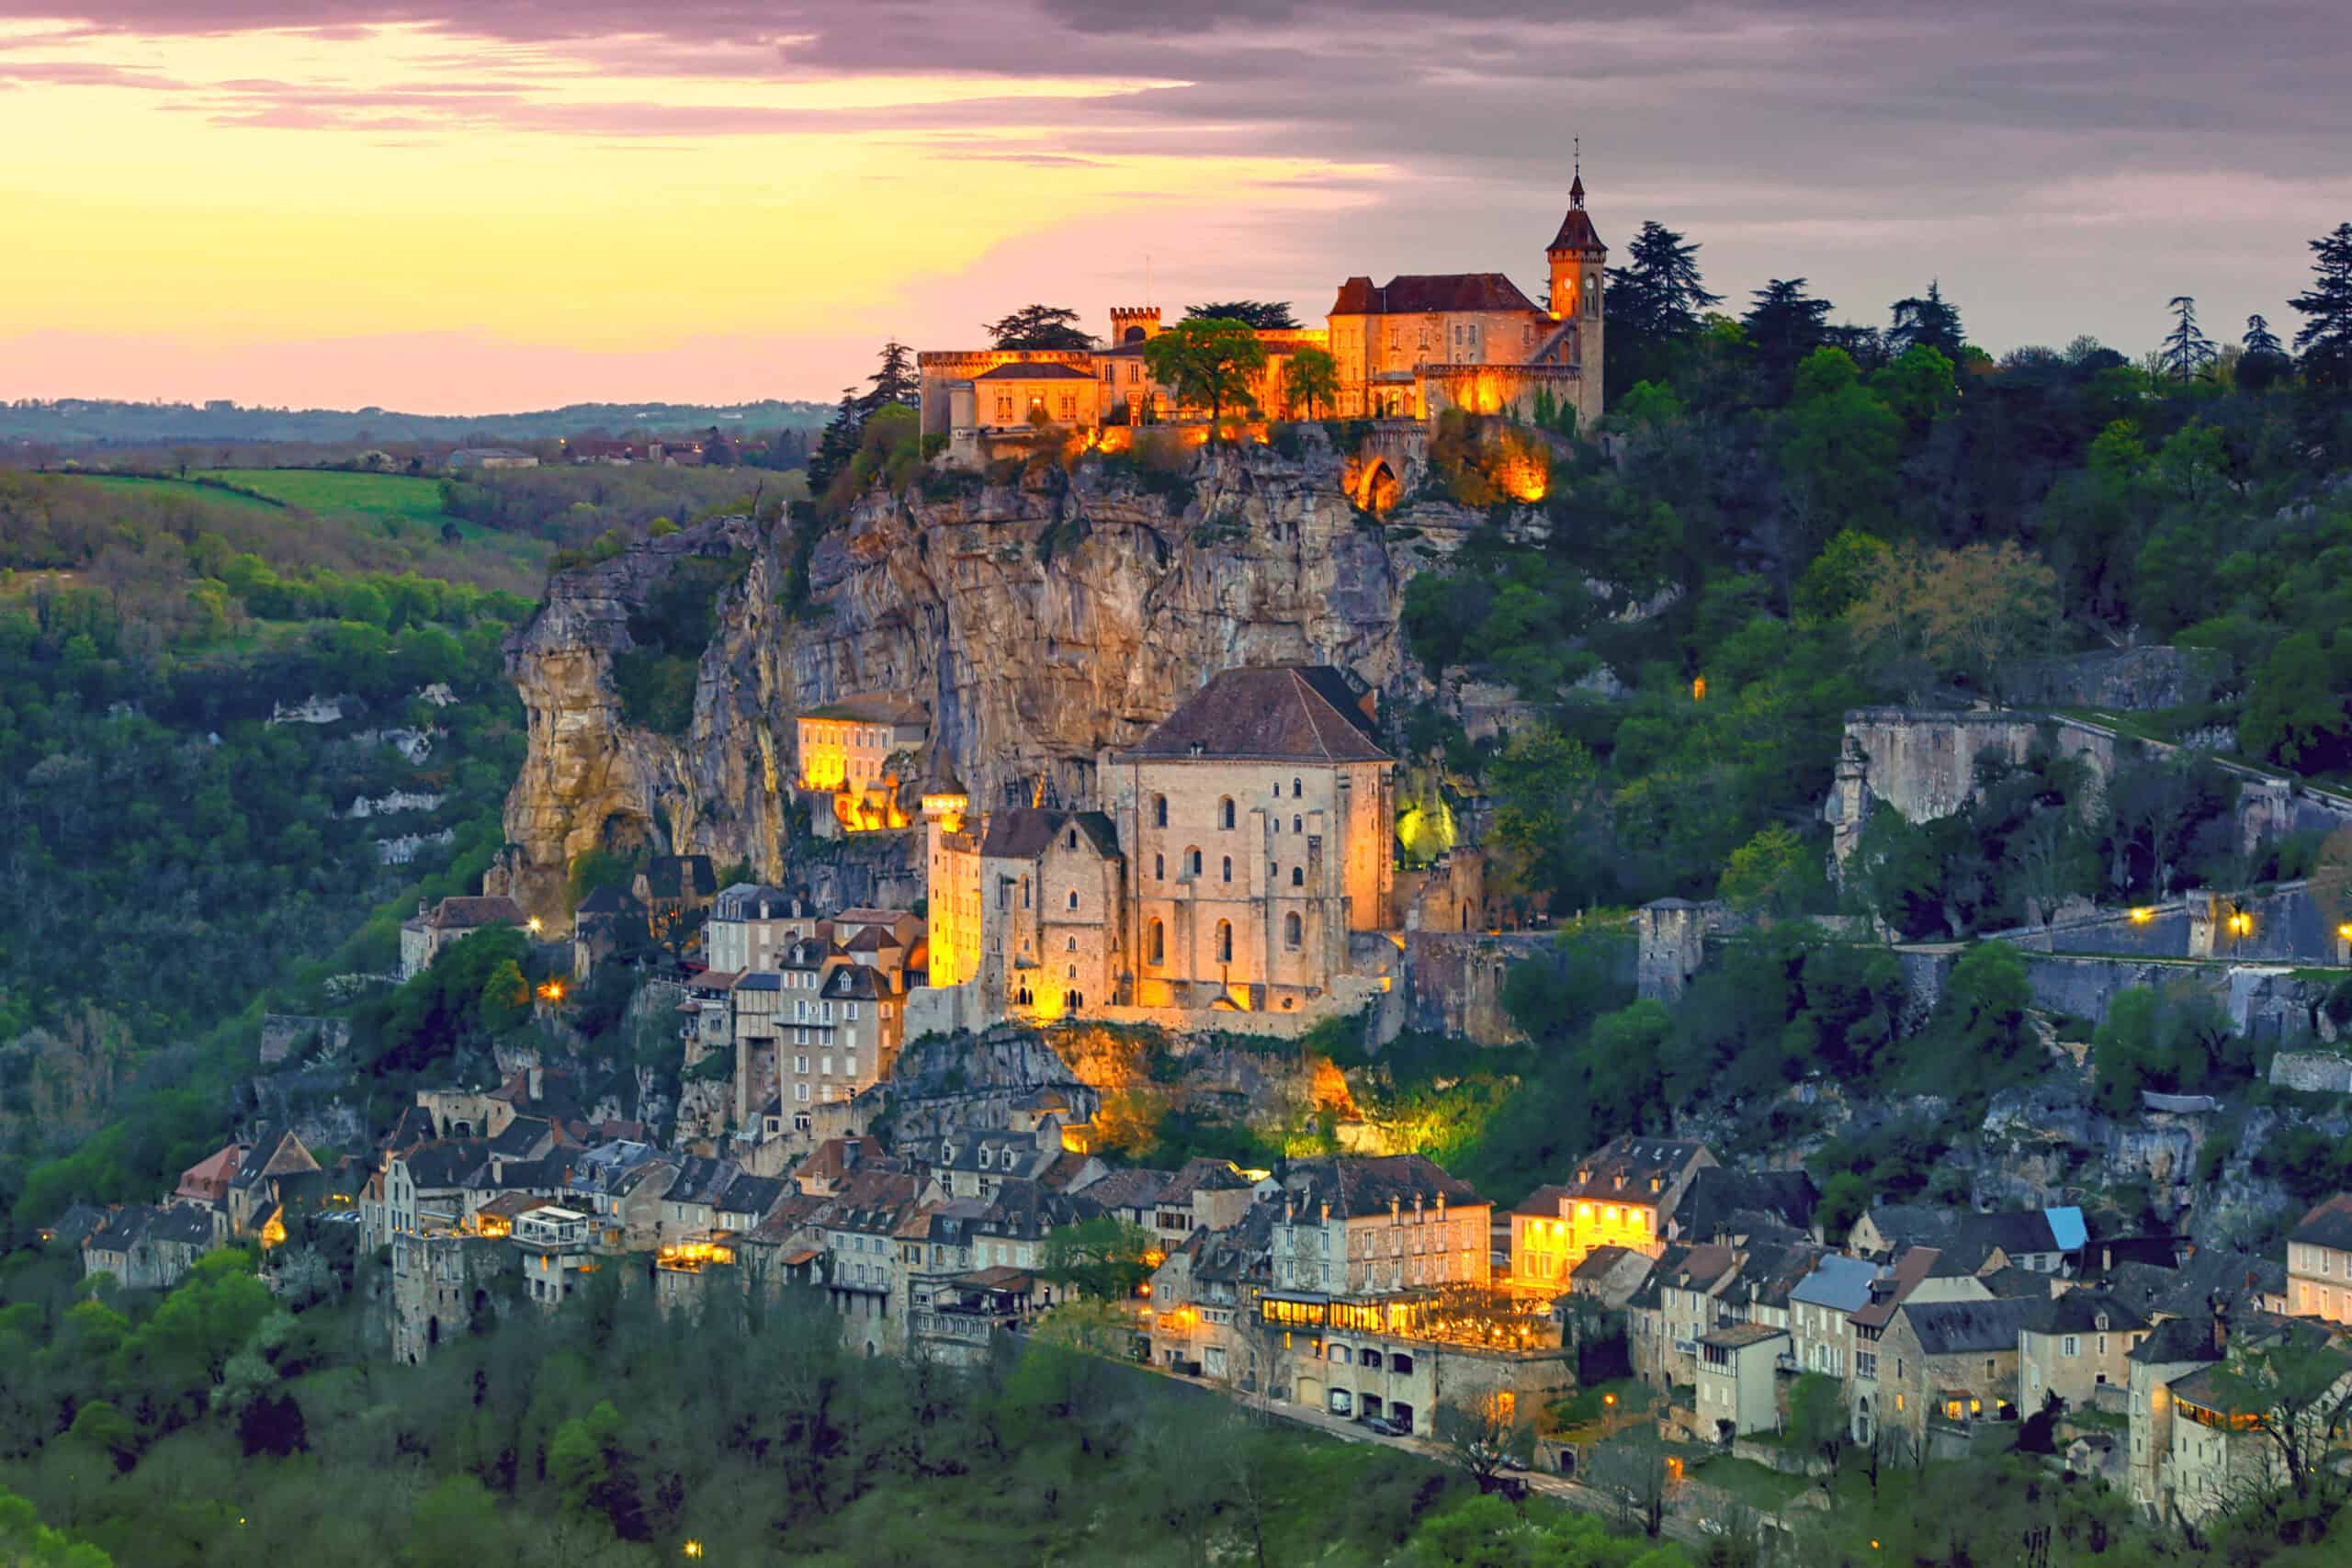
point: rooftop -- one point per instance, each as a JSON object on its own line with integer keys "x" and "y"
{"x": 1302, "y": 713}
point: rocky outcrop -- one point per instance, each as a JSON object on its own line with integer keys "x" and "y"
{"x": 1039, "y": 624}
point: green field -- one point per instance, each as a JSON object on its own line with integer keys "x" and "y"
{"x": 402, "y": 508}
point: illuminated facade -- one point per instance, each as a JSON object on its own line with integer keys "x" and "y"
{"x": 1410, "y": 348}
{"x": 953, "y": 891}
{"x": 846, "y": 750}
{"x": 1623, "y": 1196}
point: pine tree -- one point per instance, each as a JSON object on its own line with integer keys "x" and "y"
{"x": 2188, "y": 352}
{"x": 2325, "y": 340}
{"x": 2260, "y": 339}
{"x": 839, "y": 444}
{"x": 1040, "y": 326}
{"x": 1266, "y": 315}
{"x": 1784, "y": 324}
{"x": 1659, "y": 293}
{"x": 894, "y": 381}
{"x": 1931, "y": 320}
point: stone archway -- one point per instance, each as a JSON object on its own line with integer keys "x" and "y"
{"x": 1380, "y": 489}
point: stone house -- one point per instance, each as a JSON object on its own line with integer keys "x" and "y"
{"x": 1258, "y": 818}
{"x": 206, "y": 1181}
{"x": 2319, "y": 1262}
{"x": 2082, "y": 1343}
{"x": 2171, "y": 1350}
{"x": 864, "y": 1277}
{"x": 1611, "y": 1275}
{"x": 1203, "y": 1193}
{"x": 147, "y": 1248}
{"x": 423, "y": 1189}
{"x": 1359, "y": 1227}
{"x": 607, "y": 920}
{"x": 265, "y": 1180}
{"x": 1736, "y": 1391}
{"x": 1052, "y": 922}
{"x": 1666, "y": 1316}
{"x": 749, "y": 925}
{"x": 1821, "y": 1315}
{"x": 1951, "y": 1365}
{"x": 426, "y": 932}
{"x": 1622, "y": 1195}
{"x": 555, "y": 1246}
{"x": 441, "y": 1285}
{"x": 2223, "y": 1446}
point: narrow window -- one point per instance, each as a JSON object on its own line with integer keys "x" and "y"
{"x": 1225, "y": 941}
{"x": 1292, "y": 929}
{"x": 1228, "y": 868}
{"x": 1157, "y": 943}
{"x": 1298, "y": 877}
{"x": 1296, "y": 791}
{"x": 1160, "y": 811}
{"x": 1224, "y": 813}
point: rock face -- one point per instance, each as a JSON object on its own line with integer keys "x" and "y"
{"x": 1039, "y": 624}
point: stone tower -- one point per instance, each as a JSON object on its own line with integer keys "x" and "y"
{"x": 1579, "y": 262}
{"x": 1133, "y": 323}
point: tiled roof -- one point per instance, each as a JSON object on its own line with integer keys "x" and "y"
{"x": 1718, "y": 1192}
{"x": 445, "y": 1162}
{"x": 1024, "y": 832}
{"x": 1839, "y": 1282}
{"x": 2078, "y": 1312}
{"x": 607, "y": 900}
{"x": 1576, "y": 233}
{"x": 1630, "y": 1166}
{"x": 465, "y": 914}
{"x": 1740, "y": 1336}
{"x": 1135, "y": 1188}
{"x": 1420, "y": 293}
{"x": 1291, "y": 713}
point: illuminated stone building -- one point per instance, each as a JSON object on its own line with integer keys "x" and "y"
{"x": 1410, "y": 348}
{"x": 1052, "y": 936}
{"x": 1259, "y": 816}
{"x": 1621, "y": 1196}
{"x": 847, "y": 748}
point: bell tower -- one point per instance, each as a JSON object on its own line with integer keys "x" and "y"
{"x": 1579, "y": 261}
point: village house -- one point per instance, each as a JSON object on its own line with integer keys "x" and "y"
{"x": 1365, "y": 1227}
{"x": 1950, "y": 1365}
{"x": 426, "y": 932}
{"x": 2319, "y": 1262}
{"x": 864, "y": 1278}
{"x": 847, "y": 749}
{"x": 1611, "y": 1275}
{"x": 676, "y": 892}
{"x": 556, "y": 1245}
{"x": 2226, "y": 1433}
{"x": 1821, "y": 1315}
{"x": 607, "y": 920}
{"x": 2169, "y": 1352}
{"x": 1666, "y": 1316}
{"x": 2081, "y": 1345}
{"x": 1623, "y": 1195}
{"x": 749, "y": 925}
{"x": 1735, "y": 1387}
{"x": 147, "y": 1248}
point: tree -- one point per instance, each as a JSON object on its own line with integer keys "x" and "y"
{"x": 894, "y": 382}
{"x": 1658, "y": 293}
{"x": 1838, "y": 451}
{"x": 1954, "y": 612}
{"x": 1546, "y": 792}
{"x": 1783, "y": 326}
{"x": 1480, "y": 1432}
{"x": 2295, "y": 1389}
{"x": 838, "y": 447}
{"x": 1312, "y": 382}
{"x": 1265, "y": 315}
{"x": 1039, "y": 326}
{"x": 2326, "y": 339}
{"x": 2259, "y": 338}
{"x": 2296, "y": 714}
{"x": 2188, "y": 353}
{"x": 595, "y": 1473}
{"x": 1928, "y": 319}
{"x": 1105, "y": 1257}
{"x": 1919, "y": 386}
{"x": 1817, "y": 1424}
{"x": 1768, "y": 875}
{"x": 1208, "y": 360}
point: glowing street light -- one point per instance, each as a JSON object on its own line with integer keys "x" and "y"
{"x": 694, "y": 1549}
{"x": 533, "y": 925}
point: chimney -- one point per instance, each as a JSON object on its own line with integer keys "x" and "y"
{"x": 849, "y": 1153}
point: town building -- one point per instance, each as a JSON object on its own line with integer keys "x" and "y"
{"x": 1409, "y": 349}
{"x": 1948, "y": 1366}
{"x": 853, "y": 753}
{"x": 2319, "y": 1262}
{"x": 2079, "y": 1352}
{"x": 1625, "y": 1195}
{"x": 147, "y": 1248}
{"x": 556, "y": 1247}
{"x": 607, "y": 920}
{"x": 750, "y": 924}
{"x": 1353, "y": 1227}
{"x": 426, "y": 932}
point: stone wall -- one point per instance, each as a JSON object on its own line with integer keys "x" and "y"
{"x": 1453, "y": 982}
{"x": 283, "y": 1033}
{"x": 2316, "y": 1072}
{"x": 2125, "y": 679}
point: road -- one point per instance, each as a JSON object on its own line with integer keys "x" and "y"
{"x": 1576, "y": 1495}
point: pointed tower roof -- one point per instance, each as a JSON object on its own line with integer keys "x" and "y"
{"x": 1576, "y": 233}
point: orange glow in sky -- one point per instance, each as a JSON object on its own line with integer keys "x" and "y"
{"x": 400, "y": 217}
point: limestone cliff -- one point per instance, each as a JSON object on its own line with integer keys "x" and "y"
{"x": 1039, "y": 624}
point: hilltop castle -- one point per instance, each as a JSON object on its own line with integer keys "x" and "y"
{"x": 1407, "y": 349}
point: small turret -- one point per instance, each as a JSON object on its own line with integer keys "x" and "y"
{"x": 1133, "y": 323}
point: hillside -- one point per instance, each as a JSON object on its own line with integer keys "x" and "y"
{"x": 98, "y": 422}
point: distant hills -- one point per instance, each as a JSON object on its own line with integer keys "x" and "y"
{"x": 98, "y": 422}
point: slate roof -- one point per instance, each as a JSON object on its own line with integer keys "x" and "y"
{"x": 1291, "y": 712}
{"x": 1576, "y": 233}
{"x": 1417, "y": 293}
{"x": 1135, "y": 1188}
{"x": 445, "y": 1163}
{"x": 1358, "y": 1187}
{"x": 2188, "y": 1290}
{"x": 679, "y": 876}
{"x": 607, "y": 900}
{"x": 1599, "y": 1261}
{"x": 2176, "y": 1339}
{"x": 1024, "y": 832}
{"x": 1740, "y": 1336}
{"x": 2078, "y": 1312}
{"x": 1627, "y": 1167}
{"x": 751, "y": 1194}
{"x": 2328, "y": 1224}
{"x": 185, "y": 1224}
{"x": 521, "y": 1136}
{"x": 1717, "y": 1192}
{"x": 1203, "y": 1173}
{"x": 76, "y": 1225}
{"x": 857, "y": 982}
{"x": 1946, "y": 1328}
{"x": 1891, "y": 1288}
{"x": 1839, "y": 1282}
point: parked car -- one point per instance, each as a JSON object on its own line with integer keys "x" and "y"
{"x": 1383, "y": 1427}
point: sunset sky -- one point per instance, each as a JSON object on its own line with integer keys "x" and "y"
{"x": 352, "y": 202}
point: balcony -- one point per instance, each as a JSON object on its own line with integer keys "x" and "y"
{"x": 1786, "y": 1362}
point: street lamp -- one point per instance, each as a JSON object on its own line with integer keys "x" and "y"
{"x": 694, "y": 1549}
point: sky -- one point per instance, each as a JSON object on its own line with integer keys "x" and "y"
{"x": 404, "y": 203}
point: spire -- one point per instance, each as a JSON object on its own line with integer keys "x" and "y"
{"x": 1576, "y": 188}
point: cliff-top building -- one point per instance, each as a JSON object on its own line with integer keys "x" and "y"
{"x": 1410, "y": 348}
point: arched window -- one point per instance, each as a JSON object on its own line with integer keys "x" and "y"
{"x": 1072, "y": 839}
{"x": 1294, "y": 791}
{"x": 1298, "y": 877}
{"x": 1069, "y": 971}
{"x": 1160, "y": 811}
{"x": 1224, "y": 813}
{"x": 1156, "y": 944}
{"x": 1228, "y": 868}
{"x": 1024, "y": 892}
{"x": 1073, "y": 897}
{"x": 1070, "y": 945}
{"x": 1293, "y": 929}
{"x": 1298, "y": 824}
{"x": 1225, "y": 941}
{"x": 1159, "y": 868}
{"x": 1193, "y": 860}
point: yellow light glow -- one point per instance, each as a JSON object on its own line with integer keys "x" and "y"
{"x": 2142, "y": 915}
{"x": 534, "y": 924}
